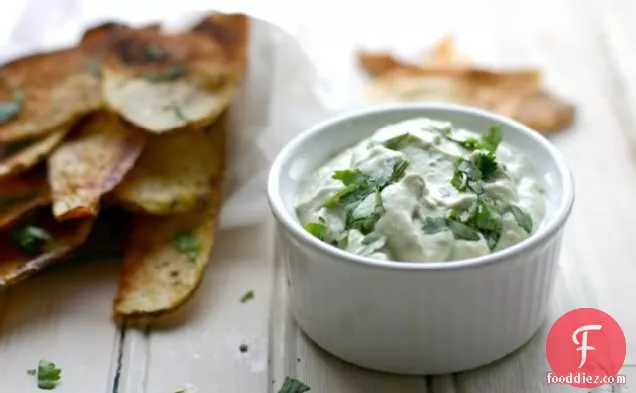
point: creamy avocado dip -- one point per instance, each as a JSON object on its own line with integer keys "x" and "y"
{"x": 423, "y": 191}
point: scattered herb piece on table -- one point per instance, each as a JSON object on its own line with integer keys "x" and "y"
{"x": 292, "y": 385}
{"x": 249, "y": 295}
{"x": 243, "y": 348}
{"x": 31, "y": 239}
{"x": 48, "y": 375}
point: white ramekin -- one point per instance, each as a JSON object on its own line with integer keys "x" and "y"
{"x": 417, "y": 318}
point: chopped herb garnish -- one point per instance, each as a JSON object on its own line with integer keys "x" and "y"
{"x": 180, "y": 391}
{"x": 349, "y": 176}
{"x": 243, "y": 348}
{"x": 462, "y": 231}
{"x": 366, "y": 224}
{"x": 169, "y": 74}
{"x": 154, "y": 52}
{"x": 467, "y": 175}
{"x": 292, "y": 385}
{"x": 491, "y": 140}
{"x": 31, "y": 239}
{"x": 398, "y": 170}
{"x": 48, "y": 375}
{"x": 397, "y": 141}
{"x": 318, "y": 229}
{"x": 434, "y": 225}
{"x": 249, "y": 295}
{"x": 9, "y": 110}
{"x": 7, "y": 201}
{"x": 14, "y": 147}
{"x": 187, "y": 243}
{"x": 93, "y": 66}
{"x": 523, "y": 219}
{"x": 179, "y": 113}
{"x": 32, "y": 371}
{"x": 486, "y": 162}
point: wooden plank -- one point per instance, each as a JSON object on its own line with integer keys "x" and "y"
{"x": 614, "y": 22}
{"x": 63, "y": 316}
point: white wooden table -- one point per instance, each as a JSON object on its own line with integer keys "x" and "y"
{"x": 587, "y": 50}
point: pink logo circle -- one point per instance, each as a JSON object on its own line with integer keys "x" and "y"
{"x": 584, "y": 347}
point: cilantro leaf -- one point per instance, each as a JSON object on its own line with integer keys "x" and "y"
{"x": 486, "y": 163}
{"x": 487, "y": 218}
{"x": 462, "y": 231}
{"x": 491, "y": 140}
{"x": 492, "y": 238}
{"x": 352, "y": 193}
{"x": 399, "y": 167}
{"x": 435, "y": 224}
{"x": 318, "y": 229}
{"x": 366, "y": 224}
{"x": 9, "y": 110}
{"x": 32, "y": 371}
{"x": 243, "y": 348}
{"x": 395, "y": 142}
{"x": 292, "y": 385}
{"x": 249, "y": 295}
{"x": 187, "y": 243}
{"x": 48, "y": 375}
{"x": 31, "y": 239}
{"x": 169, "y": 74}
{"x": 349, "y": 176}
{"x": 523, "y": 219}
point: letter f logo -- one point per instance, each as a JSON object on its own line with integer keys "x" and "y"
{"x": 584, "y": 347}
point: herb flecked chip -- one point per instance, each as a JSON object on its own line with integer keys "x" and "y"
{"x": 169, "y": 74}
{"x": 317, "y": 229}
{"x": 292, "y": 385}
{"x": 31, "y": 239}
{"x": 462, "y": 231}
{"x": 9, "y": 110}
{"x": 187, "y": 243}
{"x": 523, "y": 219}
{"x": 434, "y": 225}
{"x": 48, "y": 375}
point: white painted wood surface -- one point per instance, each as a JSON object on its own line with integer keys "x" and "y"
{"x": 586, "y": 49}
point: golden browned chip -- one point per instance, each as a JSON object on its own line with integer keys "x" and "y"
{"x": 21, "y": 194}
{"x": 92, "y": 163}
{"x": 162, "y": 82}
{"x": 231, "y": 32}
{"x": 166, "y": 257}
{"x": 46, "y": 91}
{"x": 31, "y": 246}
{"x": 445, "y": 76}
{"x": 174, "y": 172}
{"x": 28, "y": 153}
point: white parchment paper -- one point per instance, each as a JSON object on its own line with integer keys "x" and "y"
{"x": 279, "y": 98}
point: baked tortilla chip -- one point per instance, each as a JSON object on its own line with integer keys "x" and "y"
{"x": 166, "y": 257}
{"x": 45, "y": 91}
{"x": 92, "y": 163}
{"x": 36, "y": 243}
{"x": 161, "y": 82}
{"x": 445, "y": 76}
{"x": 174, "y": 172}
{"x": 21, "y": 194}
{"x": 28, "y": 153}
